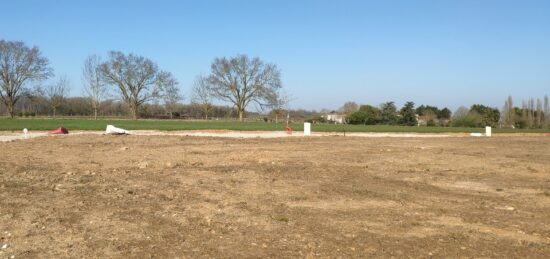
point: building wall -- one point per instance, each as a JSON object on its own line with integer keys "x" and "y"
{"x": 337, "y": 118}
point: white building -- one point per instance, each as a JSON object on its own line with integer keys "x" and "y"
{"x": 336, "y": 118}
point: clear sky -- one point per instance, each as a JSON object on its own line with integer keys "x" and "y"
{"x": 441, "y": 52}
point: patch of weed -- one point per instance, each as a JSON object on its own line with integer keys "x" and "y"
{"x": 280, "y": 218}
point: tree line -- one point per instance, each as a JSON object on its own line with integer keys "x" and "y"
{"x": 37, "y": 105}
{"x": 533, "y": 113}
{"x": 135, "y": 86}
{"x": 388, "y": 114}
{"x": 136, "y": 81}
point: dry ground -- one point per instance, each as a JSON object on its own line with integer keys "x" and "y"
{"x": 173, "y": 196}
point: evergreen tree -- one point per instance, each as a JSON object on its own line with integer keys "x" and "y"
{"x": 408, "y": 115}
{"x": 388, "y": 113}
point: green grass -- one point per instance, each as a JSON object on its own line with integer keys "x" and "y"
{"x": 169, "y": 125}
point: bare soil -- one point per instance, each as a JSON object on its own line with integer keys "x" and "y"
{"x": 175, "y": 196}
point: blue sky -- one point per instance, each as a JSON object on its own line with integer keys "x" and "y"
{"x": 443, "y": 53}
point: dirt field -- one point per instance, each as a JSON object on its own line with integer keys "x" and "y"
{"x": 174, "y": 196}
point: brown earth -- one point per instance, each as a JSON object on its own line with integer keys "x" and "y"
{"x": 171, "y": 196}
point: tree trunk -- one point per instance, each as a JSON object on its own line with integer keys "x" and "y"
{"x": 11, "y": 110}
{"x": 134, "y": 111}
{"x": 95, "y": 113}
{"x": 54, "y": 112}
{"x": 241, "y": 113}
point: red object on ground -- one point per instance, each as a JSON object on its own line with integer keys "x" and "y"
{"x": 60, "y": 130}
{"x": 547, "y": 134}
{"x": 288, "y": 130}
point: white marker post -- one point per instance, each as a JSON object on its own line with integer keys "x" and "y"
{"x": 487, "y": 131}
{"x": 25, "y": 131}
{"x": 307, "y": 129}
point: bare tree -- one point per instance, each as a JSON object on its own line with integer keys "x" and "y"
{"x": 461, "y": 112}
{"x": 429, "y": 117}
{"x": 171, "y": 96}
{"x": 138, "y": 79}
{"x": 509, "y": 113}
{"x": 19, "y": 65}
{"x": 279, "y": 104}
{"x": 538, "y": 114}
{"x": 241, "y": 80}
{"x": 94, "y": 86}
{"x": 530, "y": 112}
{"x": 546, "y": 111}
{"x": 524, "y": 114}
{"x": 202, "y": 95}
{"x": 349, "y": 108}
{"x": 56, "y": 93}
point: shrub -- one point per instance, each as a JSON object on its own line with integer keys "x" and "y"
{"x": 358, "y": 117}
{"x": 466, "y": 121}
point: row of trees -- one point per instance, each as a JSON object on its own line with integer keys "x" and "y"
{"x": 137, "y": 81}
{"x": 532, "y": 114}
{"x": 388, "y": 114}
{"x": 39, "y": 105}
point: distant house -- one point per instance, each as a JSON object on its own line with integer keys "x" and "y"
{"x": 336, "y": 118}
